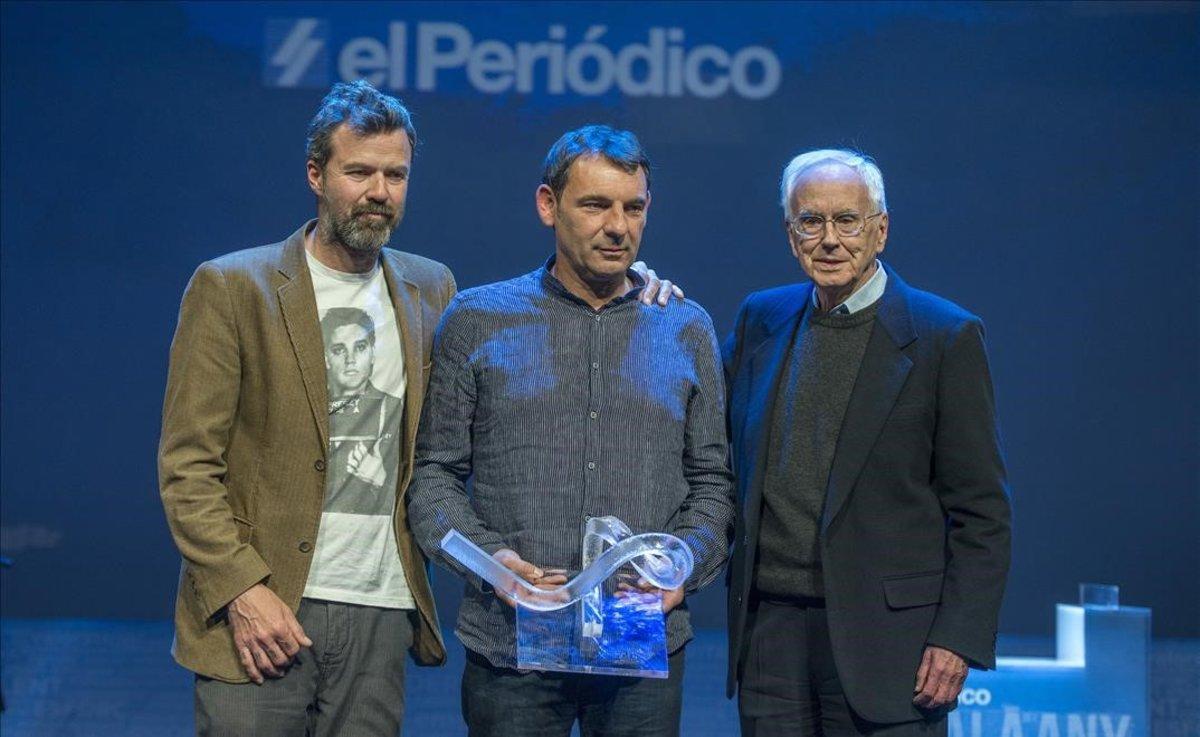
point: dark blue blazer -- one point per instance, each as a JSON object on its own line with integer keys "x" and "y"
{"x": 915, "y": 528}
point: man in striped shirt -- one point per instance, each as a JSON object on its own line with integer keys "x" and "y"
{"x": 563, "y": 397}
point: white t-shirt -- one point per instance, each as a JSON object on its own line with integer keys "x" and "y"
{"x": 356, "y": 560}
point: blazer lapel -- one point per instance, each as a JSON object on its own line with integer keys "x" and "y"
{"x": 766, "y": 371}
{"x": 406, "y": 300}
{"x": 881, "y": 376}
{"x": 298, "y": 303}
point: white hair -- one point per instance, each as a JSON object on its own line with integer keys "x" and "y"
{"x": 861, "y": 163}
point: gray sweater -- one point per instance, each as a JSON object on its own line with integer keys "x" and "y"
{"x": 822, "y": 365}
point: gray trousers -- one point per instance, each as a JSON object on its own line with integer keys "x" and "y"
{"x": 790, "y": 685}
{"x": 500, "y": 702}
{"x": 350, "y": 682}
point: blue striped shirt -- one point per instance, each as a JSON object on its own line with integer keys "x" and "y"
{"x": 558, "y": 412}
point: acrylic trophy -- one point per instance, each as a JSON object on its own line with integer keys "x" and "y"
{"x": 598, "y": 622}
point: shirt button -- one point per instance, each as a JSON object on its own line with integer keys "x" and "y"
{"x": 597, "y": 318}
{"x": 592, "y": 414}
{"x": 305, "y": 546}
{"x": 319, "y": 464}
{"x": 591, "y": 465}
{"x": 595, "y": 365}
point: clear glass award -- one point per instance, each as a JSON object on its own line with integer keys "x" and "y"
{"x": 600, "y": 621}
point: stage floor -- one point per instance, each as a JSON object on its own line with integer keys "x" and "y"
{"x": 70, "y": 678}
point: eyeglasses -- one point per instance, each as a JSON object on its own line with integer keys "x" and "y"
{"x": 847, "y": 225}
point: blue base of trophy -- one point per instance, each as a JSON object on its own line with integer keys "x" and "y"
{"x": 631, "y": 643}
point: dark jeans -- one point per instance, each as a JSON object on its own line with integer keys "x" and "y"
{"x": 350, "y": 682}
{"x": 500, "y": 702}
{"x": 790, "y": 686}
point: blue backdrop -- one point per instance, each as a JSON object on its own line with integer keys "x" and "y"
{"x": 1041, "y": 163}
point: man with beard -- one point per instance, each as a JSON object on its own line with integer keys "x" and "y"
{"x": 277, "y": 589}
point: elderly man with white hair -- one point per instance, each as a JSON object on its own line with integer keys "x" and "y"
{"x": 873, "y": 541}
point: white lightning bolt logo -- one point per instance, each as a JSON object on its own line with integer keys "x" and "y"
{"x": 297, "y": 52}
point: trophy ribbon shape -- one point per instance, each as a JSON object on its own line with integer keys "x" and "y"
{"x": 613, "y": 632}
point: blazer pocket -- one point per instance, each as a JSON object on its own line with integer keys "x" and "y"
{"x": 912, "y": 590}
{"x": 245, "y": 529}
{"x": 906, "y": 414}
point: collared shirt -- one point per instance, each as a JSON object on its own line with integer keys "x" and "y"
{"x": 865, "y": 296}
{"x": 559, "y": 412}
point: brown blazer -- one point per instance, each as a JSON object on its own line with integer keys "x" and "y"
{"x": 245, "y": 433}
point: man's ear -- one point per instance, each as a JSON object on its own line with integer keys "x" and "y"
{"x": 883, "y": 232}
{"x": 315, "y": 177}
{"x": 547, "y": 205}
{"x": 793, "y": 241}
